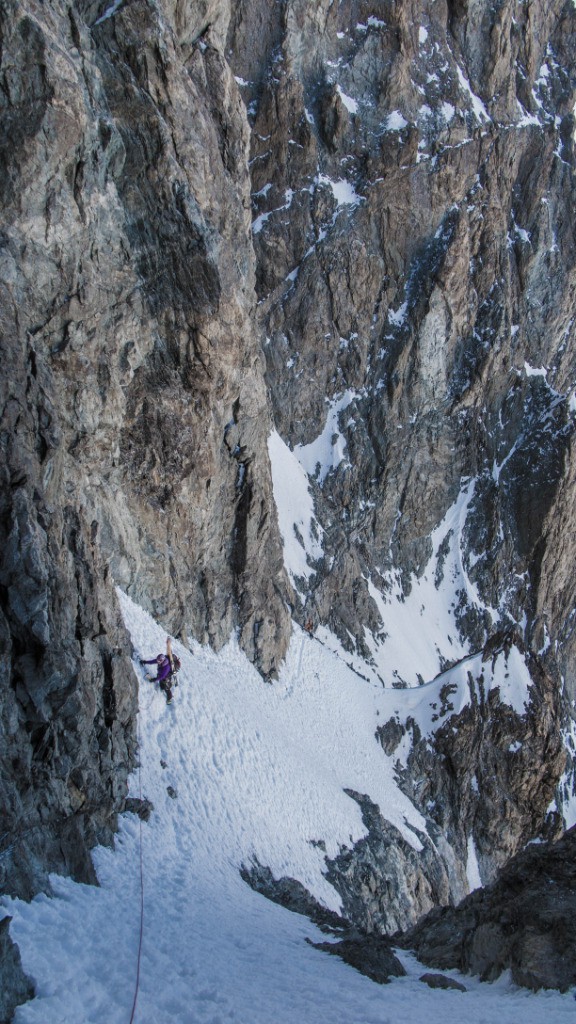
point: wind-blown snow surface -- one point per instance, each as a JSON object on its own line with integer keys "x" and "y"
{"x": 255, "y": 770}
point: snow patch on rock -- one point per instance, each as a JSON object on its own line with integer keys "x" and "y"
{"x": 300, "y": 532}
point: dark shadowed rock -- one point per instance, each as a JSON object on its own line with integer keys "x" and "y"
{"x": 369, "y": 954}
{"x": 524, "y": 922}
{"x": 143, "y": 808}
{"x": 133, "y": 413}
{"x": 441, "y": 981}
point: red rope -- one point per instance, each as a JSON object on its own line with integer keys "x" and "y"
{"x": 141, "y": 882}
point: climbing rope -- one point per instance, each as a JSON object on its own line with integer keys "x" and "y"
{"x": 137, "y": 986}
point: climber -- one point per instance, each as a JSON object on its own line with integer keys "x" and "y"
{"x": 165, "y": 670}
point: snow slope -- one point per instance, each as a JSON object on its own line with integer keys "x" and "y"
{"x": 254, "y": 770}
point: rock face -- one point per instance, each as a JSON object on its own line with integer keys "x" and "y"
{"x": 15, "y": 986}
{"x": 349, "y": 224}
{"x": 412, "y": 176}
{"x": 524, "y": 923}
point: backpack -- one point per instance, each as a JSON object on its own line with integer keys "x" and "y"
{"x": 176, "y": 664}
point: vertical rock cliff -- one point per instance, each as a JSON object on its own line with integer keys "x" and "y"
{"x": 134, "y": 410}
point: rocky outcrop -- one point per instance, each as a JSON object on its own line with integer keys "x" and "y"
{"x": 290, "y": 893}
{"x": 384, "y": 882}
{"x": 479, "y": 757}
{"x": 15, "y": 986}
{"x": 441, "y": 981}
{"x": 140, "y": 314}
{"x": 412, "y": 177}
{"x": 524, "y": 923}
{"x": 482, "y": 766}
{"x": 487, "y": 775}
{"x": 134, "y": 412}
{"x": 370, "y": 954}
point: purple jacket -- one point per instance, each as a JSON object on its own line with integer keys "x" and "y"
{"x": 164, "y": 667}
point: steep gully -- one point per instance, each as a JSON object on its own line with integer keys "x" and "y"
{"x": 221, "y": 218}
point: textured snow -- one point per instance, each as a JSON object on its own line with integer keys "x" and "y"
{"x": 398, "y": 316}
{"x": 448, "y": 112}
{"x": 260, "y": 221}
{"x": 257, "y": 771}
{"x": 521, "y": 233}
{"x": 301, "y": 535}
{"x": 371, "y": 22}
{"x": 535, "y": 371}
{"x": 497, "y": 467}
{"x": 512, "y": 678}
{"x": 567, "y": 785}
{"x": 263, "y": 191}
{"x": 429, "y": 704}
{"x": 526, "y": 119}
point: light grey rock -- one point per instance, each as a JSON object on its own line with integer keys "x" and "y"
{"x": 384, "y": 882}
